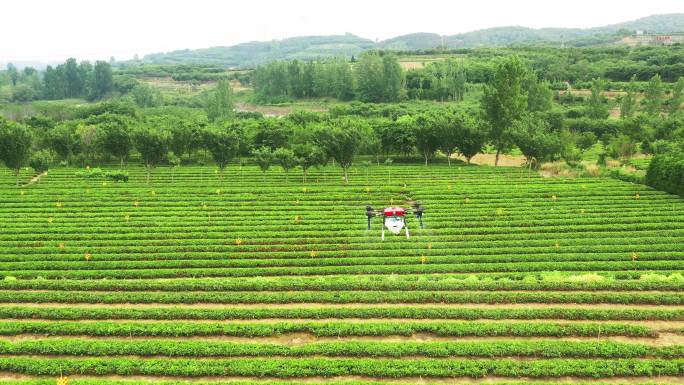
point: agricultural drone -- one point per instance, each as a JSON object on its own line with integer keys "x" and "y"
{"x": 394, "y": 218}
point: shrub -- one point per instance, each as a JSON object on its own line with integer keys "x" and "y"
{"x": 117, "y": 175}
{"x": 666, "y": 172}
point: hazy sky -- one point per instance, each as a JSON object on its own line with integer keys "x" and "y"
{"x": 57, "y": 29}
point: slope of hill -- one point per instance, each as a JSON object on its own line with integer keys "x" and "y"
{"x": 249, "y": 54}
{"x": 313, "y": 47}
{"x": 502, "y": 36}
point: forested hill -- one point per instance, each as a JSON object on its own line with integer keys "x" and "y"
{"x": 315, "y": 47}
{"x": 256, "y": 52}
{"x": 502, "y": 36}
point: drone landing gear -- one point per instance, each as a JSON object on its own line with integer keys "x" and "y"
{"x": 382, "y": 234}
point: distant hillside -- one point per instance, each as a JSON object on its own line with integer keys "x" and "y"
{"x": 502, "y": 36}
{"x": 315, "y": 47}
{"x": 252, "y": 53}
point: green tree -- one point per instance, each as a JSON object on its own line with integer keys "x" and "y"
{"x": 12, "y": 73}
{"x": 654, "y": 96}
{"x": 286, "y": 159}
{"x": 392, "y": 78}
{"x": 468, "y": 134}
{"x": 504, "y": 101}
{"x": 677, "y": 98}
{"x": 40, "y": 161}
{"x": 308, "y": 155}
{"x": 263, "y": 156}
{"x": 536, "y": 141}
{"x": 15, "y": 145}
{"x": 597, "y": 107}
{"x": 64, "y": 139}
{"x": 628, "y": 101}
{"x": 102, "y": 80}
{"x": 146, "y": 96}
{"x": 427, "y": 135}
{"x": 152, "y": 144}
{"x": 539, "y": 94}
{"x": 369, "y": 72}
{"x": 222, "y": 143}
{"x": 341, "y": 142}
{"x": 114, "y": 138}
{"x": 220, "y": 104}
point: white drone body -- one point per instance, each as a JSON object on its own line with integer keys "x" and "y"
{"x": 394, "y": 219}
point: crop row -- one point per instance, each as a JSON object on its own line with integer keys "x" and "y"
{"x": 339, "y": 297}
{"x": 330, "y": 367}
{"x": 656, "y": 254}
{"x": 332, "y": 243}
{"x": 555, "y": 282}
{"x": 323, "y": 329}
{"x": 363, "y": 269}
{"x": 320, "y": 233}
{"x": 382, "y": 312}
{"x": 484, "y": 348}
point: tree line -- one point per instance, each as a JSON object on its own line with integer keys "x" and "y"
{"x": 515, "y": 111}
{"x": 67, "y": 80}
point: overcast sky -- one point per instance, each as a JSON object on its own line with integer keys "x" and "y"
{"x": 58, "y": 29}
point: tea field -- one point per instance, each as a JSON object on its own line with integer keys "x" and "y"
{"x": 262, "y": 278}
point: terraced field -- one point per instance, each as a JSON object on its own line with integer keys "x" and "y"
{"x": 254, "y": 278}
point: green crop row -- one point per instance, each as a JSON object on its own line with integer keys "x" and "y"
{"x": 326, "y": 329}
{"x": 491, "y": 349}
{"x": 330, "y": 367}
{"x": 556, "y": 282}
{"x": 363, "y": 269}
{"x": 655, "y": 253}
{"x": 369, "y": 297}
{"x": 382, "y": 312}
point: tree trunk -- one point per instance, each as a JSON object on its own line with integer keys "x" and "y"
{"x": 449, "y": 159}
{"x": 122, "y": 162}
{"x": 426, "y": 159}
{"x": 496, "y": 160}
{"x": 346, "y": 176}
{"x": 149, "y": 172}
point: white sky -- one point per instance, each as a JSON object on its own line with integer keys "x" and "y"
{"x": 58, "y": 29}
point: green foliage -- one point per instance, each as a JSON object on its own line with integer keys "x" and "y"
{"x": 152, "y": 144}
{"x": 597, "y": 107}
{"x": 654, "y": 96}
{"x": 505, "y": 101}
{"x": 666, "y": 172}
{"x": 64, "y": 139}
{"x": 628, "y": 101}
{"x": 538, "y": 143}
{"x": 309, "y": 155}
{"x": 223, "y": 144}
{"x": 379, "y": 78}
{"x": 285, "y": 158}
{"x": 40, "y": 161}
{"x": 146, "y": 96}
{"x": 113, "y": 135}
{"x": 220, "y": 104}
{"x": 15, "y": 145}
{"x": 263, "y": 156}
{"x": 102, "y": 80}
{"x": 116, "y": 175}
{"x": 340, "y": 141}
{"x": 621, "y": 147}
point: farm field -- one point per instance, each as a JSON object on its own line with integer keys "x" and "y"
{"x": 264, "y": 278}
